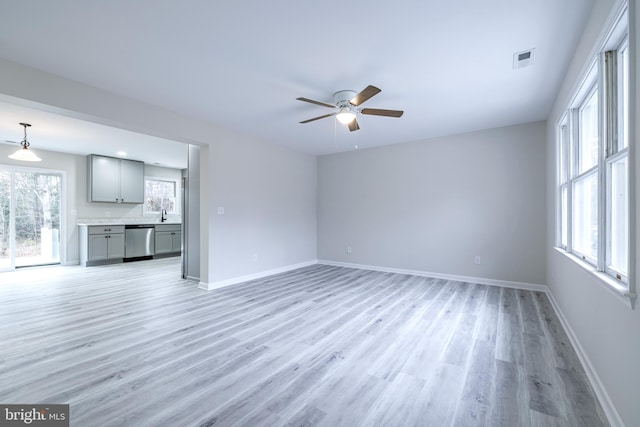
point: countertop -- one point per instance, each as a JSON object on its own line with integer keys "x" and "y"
{"x": 124, "y": 221}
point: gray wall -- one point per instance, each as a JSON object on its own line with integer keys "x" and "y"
{"x": 434, "y": 205}
{"x": 607, "y": 329}
{"x": 268, "y": 193}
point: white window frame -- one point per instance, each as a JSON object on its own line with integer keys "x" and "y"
{"x": 610, "y": 150}
{"x": 12, "y": 169}
{"x": 614, "y": 152}
{"x": 563, "y": 224}
{"x": 618, "y": 275}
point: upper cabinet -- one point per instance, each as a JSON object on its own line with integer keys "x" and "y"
{"x": 131, "y": 181}
{"x": 115, "y": 180}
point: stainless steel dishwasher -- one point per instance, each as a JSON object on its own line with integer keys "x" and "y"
{"x": 139, "y": 242}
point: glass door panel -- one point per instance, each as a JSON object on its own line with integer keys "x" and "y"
{"x": 5, "y": 220}
{"x": 37, "y": 218}
{"x": 30, "y": 202}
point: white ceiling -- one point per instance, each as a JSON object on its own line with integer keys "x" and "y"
{"x": 241, "y": 64}
{"x": 55, "y": 132}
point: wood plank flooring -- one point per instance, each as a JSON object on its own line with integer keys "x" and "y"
{"x": 133, "y": 345}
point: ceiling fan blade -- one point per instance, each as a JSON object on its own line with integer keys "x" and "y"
{"x": 366, "y": 93}
{"x": 323, "y": 104}
{"x": 379, "y": 112}
{"x": 353, "y": 125}
{"x": 318, "y": 118}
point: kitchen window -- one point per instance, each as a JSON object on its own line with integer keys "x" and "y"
{"x": 160, "y": 194}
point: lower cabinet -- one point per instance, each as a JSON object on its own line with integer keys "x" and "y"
{"x": 105, "y": 244}
{"x": 101, "y": 244}
{"x": 168, "y": 239}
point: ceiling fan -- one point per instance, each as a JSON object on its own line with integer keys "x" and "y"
{"x": 348, "y": 102}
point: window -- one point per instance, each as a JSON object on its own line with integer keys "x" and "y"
{"x": 564, "y": 176}
{"x": 159, "y": 194}
{"x": 617, "y": 165}
{"x": 593, "y": 164}
{"x": 588, "y": 137}
{"x": 619, "y": 208}
{"x": 623, "y": 69}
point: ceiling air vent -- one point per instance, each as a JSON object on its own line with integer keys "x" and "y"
{"x": 523, "y": 59}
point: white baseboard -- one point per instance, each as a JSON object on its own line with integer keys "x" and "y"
{"x": 607, "y": 405}
{"x": 478, "y": 280}
{"x": 605, "y": 401}
{"x": 254, "y": 276}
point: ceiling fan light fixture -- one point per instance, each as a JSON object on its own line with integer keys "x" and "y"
{"x": 24, "y": 154}
{"x": 345, "y": 116}
{"x": 347, "y": 103}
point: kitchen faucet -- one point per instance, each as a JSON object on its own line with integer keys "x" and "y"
{"x": 163, "y": 215}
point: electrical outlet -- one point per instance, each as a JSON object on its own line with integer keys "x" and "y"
{"x": 478, "y": 261}
{"x": 221, "y": 210}
{"x": 349, "y": 250}
{"x": 107, "y": 214}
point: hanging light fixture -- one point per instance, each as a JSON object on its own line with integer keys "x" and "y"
{"x": 24, "y": 153}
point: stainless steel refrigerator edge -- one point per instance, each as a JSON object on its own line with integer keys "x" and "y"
{"x": 191, "y": 216}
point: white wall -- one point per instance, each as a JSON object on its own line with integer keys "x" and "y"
{"x": 434, "y": 205}
{"x": 607, "y": 330}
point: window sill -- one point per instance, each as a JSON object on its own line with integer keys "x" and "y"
{"x": 616, "y": 288}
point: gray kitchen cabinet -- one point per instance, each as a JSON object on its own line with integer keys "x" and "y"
{"x": 113, "y": 180}
{"x": 101, "y": 244}
{"x": 168, "y": 239}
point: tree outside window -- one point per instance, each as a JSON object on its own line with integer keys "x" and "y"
{"x": 159, "y": 195}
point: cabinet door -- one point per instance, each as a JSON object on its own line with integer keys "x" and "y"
{"x": 163, "y": 242}
{"x": 104, "y": 179}
{"x": 131, "y": 182}
{"x": 116, "y": 246}
{"x": 177, "y": 241}
{"x": 97, "y": 250}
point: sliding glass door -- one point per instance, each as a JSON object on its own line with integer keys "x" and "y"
{"x": 6, "y": 245}
{"x": 30, "y": 202}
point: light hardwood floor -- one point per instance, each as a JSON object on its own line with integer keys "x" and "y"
{"x": 133, "y": 345}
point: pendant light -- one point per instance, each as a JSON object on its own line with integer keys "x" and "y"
{"x": 24, "y": 153}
